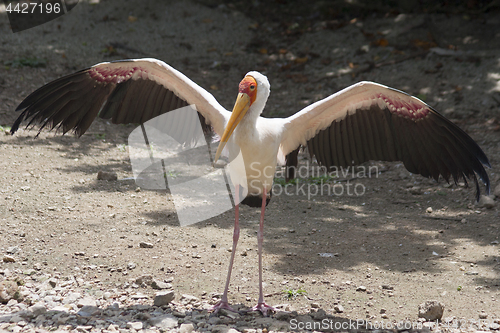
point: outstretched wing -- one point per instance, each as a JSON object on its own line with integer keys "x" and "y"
{"x": 369, "y": 121}
{"x": 127, "y": 91}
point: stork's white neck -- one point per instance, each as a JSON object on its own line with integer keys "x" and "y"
{"x": 247, "y": 128}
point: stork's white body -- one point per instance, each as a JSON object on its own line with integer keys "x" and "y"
{"x": 258, "y": 139}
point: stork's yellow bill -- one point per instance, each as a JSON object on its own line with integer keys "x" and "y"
{"x": 246, "y": 96}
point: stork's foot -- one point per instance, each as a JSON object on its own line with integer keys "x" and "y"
{"x": 264, "y": 308}
{"x": 222, "y": 305}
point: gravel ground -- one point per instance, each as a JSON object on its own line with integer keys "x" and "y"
{"x": 65, "y": 303}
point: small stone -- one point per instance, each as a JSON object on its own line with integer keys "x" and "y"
{"x": 428, "y": 210}
{"x": 106, "y": 295}
{"x": 160, "y": 285}
{"x": 215, "y": 295}
{"x": 71, "y": 298}
{"x": 383, "y": 311}
{"x": 361, "y": 288}
{"x": 315, "y": 305}
{"x": 319, "y": 315}
{"x": 86, "y": 301}
{"x": 496, "y": 191}
{"x": 179, "y": 314}
{"x": 139, "y": 296}
{"x": 8, "y": 290}
{"x": 108, "y": 176}
{"x": 146, "y": 279}
{"x": 12, "y": 250}
{"x": 164, "y": 322}
{"x": 61, "y": 309}
{"x": 338, "y": 308}
{"x": 136, "y": 325}
{"x": 12, "y": 302}
{"x": 146, "y": 245}
{"x": 83, "y": 329}
{"x": 486, "y": 202}
{"x": 113, "y": 328}
{"x": 163, "y": 298}
{"x": 222, "y": 329}
{"x": 415, "y": 190}
{"x": 214, "y": 320}
{"x": 52, "y": 282}
{"x": 189, "y": 299}
{"x": 282, "y": 315}
{"x": 131, "y": 265}
{"x": 483, "y": 315}
{"x": 7, "y": 258}
{"x": 38, "y": 309}
{"x": 384, "y": 316}
{"x": 89, "y": 311}
{"x": 186, "y": 328}
{"x": 431, "y": 310}
{"x": 248, "y": 330}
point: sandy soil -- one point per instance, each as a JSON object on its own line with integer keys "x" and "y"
{"x": 64, "y": 221}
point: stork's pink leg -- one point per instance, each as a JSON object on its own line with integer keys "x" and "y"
{"x": 261, "y": 305}
{"x": 223, "y": 303}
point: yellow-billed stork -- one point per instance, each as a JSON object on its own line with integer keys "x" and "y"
{"x": 366, "y": 121}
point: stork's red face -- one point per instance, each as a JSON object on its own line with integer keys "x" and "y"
{"x": 246, "y": 97}
{"x": 249, "y": 86}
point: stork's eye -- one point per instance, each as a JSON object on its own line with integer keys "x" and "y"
{"x": 252, "y": 87}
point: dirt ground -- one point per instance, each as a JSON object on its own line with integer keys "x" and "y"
{"x": 64, "y": 221}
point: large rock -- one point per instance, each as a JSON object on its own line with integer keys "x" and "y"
{"x": 486, "y": 202}
{"x": 431, "y": 310}
{"x": 164, "y": 297}
{"x": 8, "y": 290}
